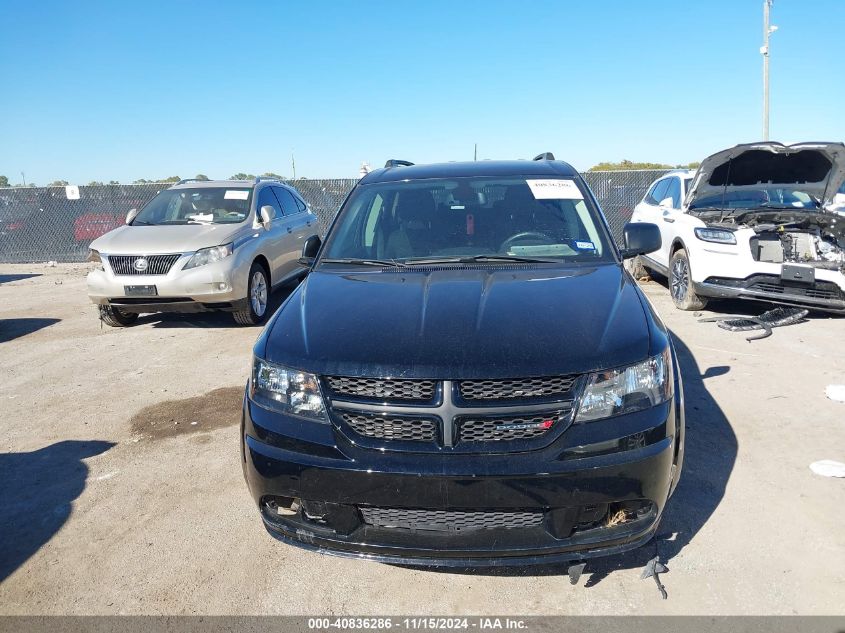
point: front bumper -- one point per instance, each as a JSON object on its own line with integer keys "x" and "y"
{"x": 334, "y": 482}
{"x": 211, "y": 287}
{"x": 822, "y": 295}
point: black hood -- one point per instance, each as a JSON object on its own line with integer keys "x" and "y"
{"x": 460, "y": 323}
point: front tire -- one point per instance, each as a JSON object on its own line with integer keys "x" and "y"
{"x": 680, "y": 283}
{"x": 257, "y": 298}
{"x": 115, "y": 317}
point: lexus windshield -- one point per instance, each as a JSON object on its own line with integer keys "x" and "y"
{"x": 206, "y": 205}
{"x": 463, "y": 219}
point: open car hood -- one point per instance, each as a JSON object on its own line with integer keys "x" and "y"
{"x": 816, "y": 168}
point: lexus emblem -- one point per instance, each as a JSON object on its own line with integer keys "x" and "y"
{"x": 141, "y": 264}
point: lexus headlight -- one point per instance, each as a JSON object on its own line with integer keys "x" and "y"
{"x": 94, "y": 256}
{"x": 720, "y": 236}
{"x": 209, "y": 255}
{"x": 628, "y": 389}
{"x": 286, "y": 390}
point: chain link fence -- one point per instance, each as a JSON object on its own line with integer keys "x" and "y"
{"x": 43, "y": 224}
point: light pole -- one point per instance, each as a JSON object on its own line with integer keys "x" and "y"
{"x": 764, "y": 50}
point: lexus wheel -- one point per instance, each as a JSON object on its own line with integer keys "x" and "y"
{"x": 258, "y": 297}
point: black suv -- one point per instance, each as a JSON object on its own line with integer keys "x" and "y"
{"x": 466, "y": 377}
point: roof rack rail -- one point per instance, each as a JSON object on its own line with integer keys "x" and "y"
{"x": 544, "y": 156}
{"x": 264, "y": 178}
{"x": 395, "y": 162}
{"x": 184, "y": 180}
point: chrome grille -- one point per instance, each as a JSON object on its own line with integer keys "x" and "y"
{"x": 546, "y": 387}
{"x": 391, "y": 427}
{"x": 496, "y": 429}
{"x": 382, "y": 388}
{"x": 156, "y": 264}
{"x": 450, "y": 520}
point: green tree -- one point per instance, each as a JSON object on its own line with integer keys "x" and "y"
{"x": 4, "y": 182}
{"x": 113, "y": 182}
{"x": 141, "y": 181}
{"x": 95, "y": 183}
{"x": 59, "y": 183}
{"x": 170, "y": 179}
{"x": 627, "y": 164}
{"x": 242, "y": 176}
{"x": 201, "y": 177}
{"x": 270, "y": 174}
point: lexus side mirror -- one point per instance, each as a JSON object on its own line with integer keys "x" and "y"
{"x": 267, "y": 214}
{"x": 133, "y": 213}
{"x": 641, "y": 238}
{"x": 309, "y": 251}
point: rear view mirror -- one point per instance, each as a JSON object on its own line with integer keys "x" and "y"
{"x": 133, "y": 213}
{"x": 641, "y": 238}
{"x": 267, "y": 214}
{"x": 309, "y": 251}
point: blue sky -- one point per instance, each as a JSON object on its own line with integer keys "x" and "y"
{"x": 101, "y": 91}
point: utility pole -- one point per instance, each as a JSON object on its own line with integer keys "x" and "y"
{"x": 293, "y": 165}
{"x": 23, "y": 177}
{"x": 475, "y": 152}
{"x": 764, "y": 50}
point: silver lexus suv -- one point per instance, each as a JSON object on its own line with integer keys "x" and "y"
{"x": 202, "y": 245}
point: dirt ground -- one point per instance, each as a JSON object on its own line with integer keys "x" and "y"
{"x": 122, "y": 491}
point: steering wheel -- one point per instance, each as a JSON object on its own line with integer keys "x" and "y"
{"x": 517, "y": 237}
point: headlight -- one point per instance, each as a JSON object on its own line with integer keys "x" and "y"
{"x": 209, "y": 255}
{"x": 720, "y": 236}
{"x": 94, "y": 256}
{"x": 286, "y": 390}
{"x": 629, "y": 389}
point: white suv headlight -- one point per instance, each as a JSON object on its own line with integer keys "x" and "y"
{"x": 286, "y": 390}
{"x": 628, "y": 389}
{"x": 209, "y": 255}
{"x": 719, "y": 236}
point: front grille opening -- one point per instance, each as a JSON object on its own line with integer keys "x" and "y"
{"x": 391, "y": 427}
{"x": 522, "y": 388}
{"x": 381, "y": 388}
{"x": 450, "y": 520}
{"x": 498, "y": 429}
{"x": 155, "y": 264}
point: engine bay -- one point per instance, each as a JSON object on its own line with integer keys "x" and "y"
{"x": 811, "y": 247}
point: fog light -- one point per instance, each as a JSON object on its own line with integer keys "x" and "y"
{"x": 222, "y": 286}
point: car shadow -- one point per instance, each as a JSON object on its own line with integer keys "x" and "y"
{"x": 11, "y": 329}
{"x": 7, "y": 279}
{"x": 38, "y": 489}
{"x": 710, "y": 453}
{"x": 211, "y": 319}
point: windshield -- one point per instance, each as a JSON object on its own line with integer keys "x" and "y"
{"x": 769, "y": 197}
{"x": 203, "y": 205}
{"x": 461, "y": 218}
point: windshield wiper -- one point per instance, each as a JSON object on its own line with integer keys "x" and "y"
{"x": 782, "y": 205}
{"x": 392, "y": 263}
{"x": 471, "y": 259}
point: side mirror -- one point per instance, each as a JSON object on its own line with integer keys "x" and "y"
{"x": 131, "y": 215}
{"x": 267, "y": 214}
{"x": 310, "y": 250}
{"x": 641, "y": 238}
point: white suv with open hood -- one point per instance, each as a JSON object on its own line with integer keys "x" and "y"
{"x": 202, "y": 245}
{"x": 758, "y": 221}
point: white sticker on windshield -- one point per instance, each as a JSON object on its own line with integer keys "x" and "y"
{"x": 555, "y": 189}
{"x": 585, "y": 246}
{"x": 235, "y": 194}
